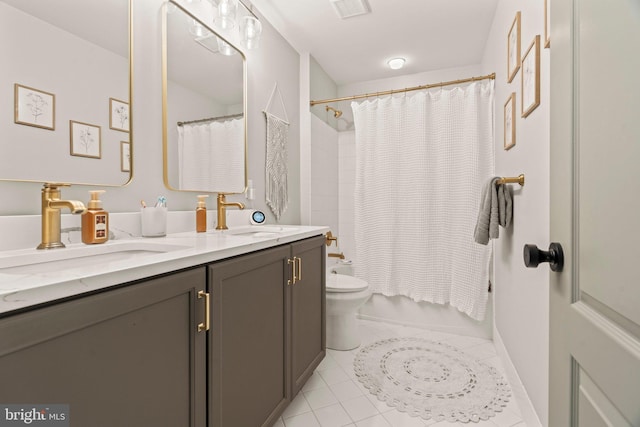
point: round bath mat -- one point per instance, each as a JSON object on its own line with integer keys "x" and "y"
{"x": 432, "y": 380}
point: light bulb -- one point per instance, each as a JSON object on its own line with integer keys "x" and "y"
{"x": 250, "y": 30}
{"x": 396, "y": 63}
{"x": 228, "y": 8}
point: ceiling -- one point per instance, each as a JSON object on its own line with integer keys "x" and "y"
{"x": 430, "y": 34}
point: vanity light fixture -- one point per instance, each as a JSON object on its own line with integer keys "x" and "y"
{"x": 249, "y": 28}
{"x": 396, "y": 63}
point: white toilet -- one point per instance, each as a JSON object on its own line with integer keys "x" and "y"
{"x": 345, "y": 294}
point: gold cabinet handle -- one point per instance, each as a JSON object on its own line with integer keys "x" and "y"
{"x": 299, "y": 268}
{"x": 293, "y": 271}
{"x": 207, "y": 311}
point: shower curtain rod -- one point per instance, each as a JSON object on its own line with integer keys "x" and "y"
{"x": 491, "y": 76}
{"x": 211, "y": 119}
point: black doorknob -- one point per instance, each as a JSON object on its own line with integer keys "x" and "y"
{"x": 534, "y": 256}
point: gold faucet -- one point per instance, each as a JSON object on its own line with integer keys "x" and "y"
{"x": 51, "y": 205}
{"x": 222, "y": 210}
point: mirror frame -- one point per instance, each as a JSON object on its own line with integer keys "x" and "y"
{"x": 165, "y": 129}
{"x": 131, "y": 121}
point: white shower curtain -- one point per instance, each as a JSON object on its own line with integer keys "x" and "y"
{"x": 421, "y": 162}
{"x": 211, "y": 156}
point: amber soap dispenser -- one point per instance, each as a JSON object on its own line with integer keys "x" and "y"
{"x": 201, "y": 214}
{"x": 95, "y": 220}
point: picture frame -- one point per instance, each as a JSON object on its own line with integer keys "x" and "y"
{"x": 530, "y": 78}
{"x": 513, "y": 48}
{"x": 85, "y": 139}
{"x": 118, "y": 115}
{"x": 34, "y": 107}
{"x": 125, "y": 156}
{"x": 547, "y": 25}
{"x": 510, "y": 122}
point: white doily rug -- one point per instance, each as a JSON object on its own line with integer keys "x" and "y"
{"x": 432, "y": 380}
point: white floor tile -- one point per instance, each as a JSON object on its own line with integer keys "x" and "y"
{"x": 345, "y": 390}
{"x": 320, "y": 398}
{"x": 327, "y": 363}
{"x": 359, "y": 408}
{"x": 375, "y": 421}
{"x": 399, "y": 419}
{"x": 304, "y": 420}
{"x": 334, "y": 375}
{"x": 315, "y": 381}
{"x": 297, "y": 407}
{"x": 506, "y": 418}
{"x": 333, "y": 416}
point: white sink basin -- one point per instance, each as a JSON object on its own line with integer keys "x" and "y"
{"x": 260, "y": 230}
{"x": 33, "y": 261}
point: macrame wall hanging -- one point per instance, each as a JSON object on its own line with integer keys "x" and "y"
{"x": 277, "y": 195}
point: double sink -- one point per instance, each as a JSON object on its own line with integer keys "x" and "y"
{"x": 32, "y": 261}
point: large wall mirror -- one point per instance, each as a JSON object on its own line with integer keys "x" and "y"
{"x": 65, "y": 86}
{"x": 204, "y": 108}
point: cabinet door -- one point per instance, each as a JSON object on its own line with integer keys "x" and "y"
{"x": 307, "y": 310}
{"x": 248, "y": 377}
{"x": 129, "y": 356}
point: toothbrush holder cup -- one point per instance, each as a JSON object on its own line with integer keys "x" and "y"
{"x": 153, "y": 221}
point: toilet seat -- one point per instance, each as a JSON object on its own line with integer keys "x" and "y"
{"x": 344, "y": 283}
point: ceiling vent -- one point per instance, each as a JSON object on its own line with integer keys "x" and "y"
{"x": 350, "y": 8}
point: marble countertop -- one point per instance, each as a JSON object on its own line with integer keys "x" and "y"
{"x": 20, "y": 289}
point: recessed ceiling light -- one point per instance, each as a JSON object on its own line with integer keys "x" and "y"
{"x": 396, "y": 63}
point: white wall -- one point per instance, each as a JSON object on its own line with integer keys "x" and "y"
{"x": 397, "y": 309}
{"x": 521, "y": 294}
{"x": 275, "y": 61}
{"x": 324, "y": 176}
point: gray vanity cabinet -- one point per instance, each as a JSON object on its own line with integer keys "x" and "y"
{"x": 267, "y": 333}
{"x": 307, "y": 311}
{"x": 127, "y": 356}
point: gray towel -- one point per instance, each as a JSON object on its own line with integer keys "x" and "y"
{"x": 495, "y": 208}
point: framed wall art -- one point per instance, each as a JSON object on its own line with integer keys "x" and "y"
{"x": 510, "y": 121}
{"x": 85, "y": 140}
{"x": 530, "y": 87}
{"x": 547, "y": 24}
{"x": 118, "y": 115}
{"x": 513, "y": 48}
{"x": 125, "y": 156}
{"x": 34, "y": 107}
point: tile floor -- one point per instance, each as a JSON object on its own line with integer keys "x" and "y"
{"x": 333, "y": 397}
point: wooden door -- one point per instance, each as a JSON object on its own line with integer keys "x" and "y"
{"x": 595, "y": 213}
{"x": 308, "y": 318}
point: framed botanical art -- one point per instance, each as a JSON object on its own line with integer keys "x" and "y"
{"x": 118, "y": 115}
{"x": 530, "y": 79}
{"x": 85, "y": 140}
{"x": 125, "y": 156}
{"x": 510, "y": 121}
{"x": 547, "y": 24}
{"x": 513, "y": 48}
{"x": 34, "y": 107}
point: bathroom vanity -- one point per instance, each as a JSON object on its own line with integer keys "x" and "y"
{"x": 136, "y": 348}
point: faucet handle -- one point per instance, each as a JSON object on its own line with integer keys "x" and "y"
{"x": 55, "y": 184}
{"x": 331, "y": 239}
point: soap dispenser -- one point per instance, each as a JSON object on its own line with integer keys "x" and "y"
{"x": 95, "y": 220}
{"x": 201, "y": 214}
